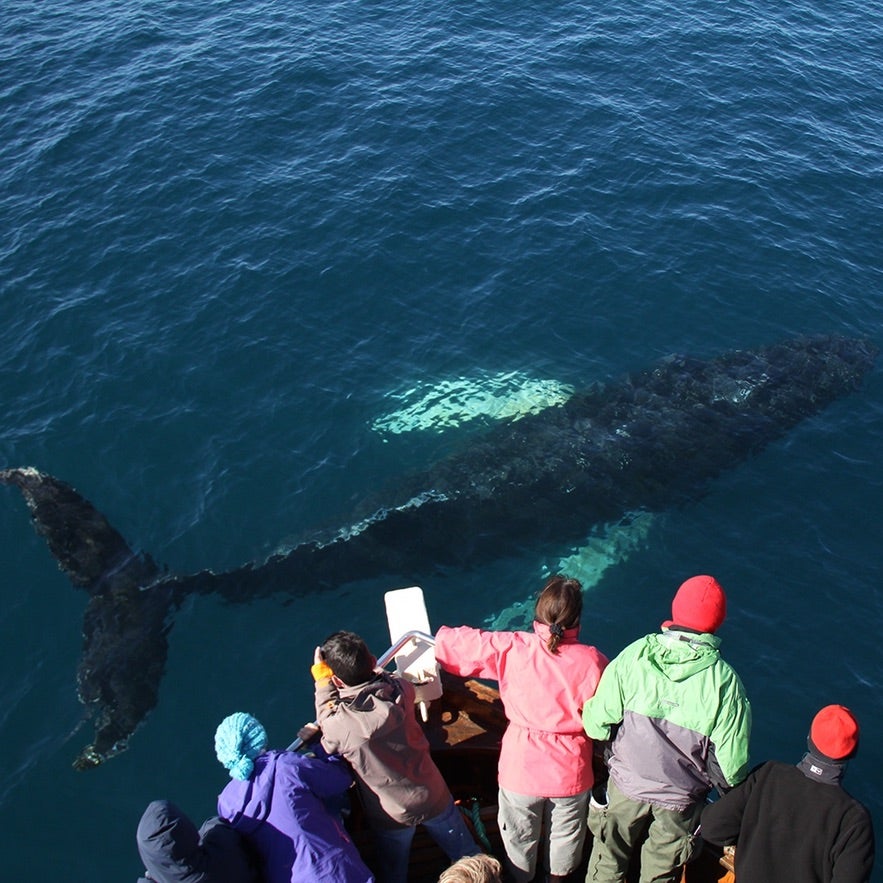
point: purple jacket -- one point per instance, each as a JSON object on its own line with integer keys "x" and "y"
{"x": 280, "y": 811}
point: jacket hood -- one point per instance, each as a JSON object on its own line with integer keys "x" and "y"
{"x": 383, "y": 687}
{"x": 248, "y": 805}
{"x": 678, "y": 655}
{"x": 169, "y": 844}
{"x": 377, "y": 709}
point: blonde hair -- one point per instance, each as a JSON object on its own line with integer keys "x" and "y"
{"x": 481, "y": 868}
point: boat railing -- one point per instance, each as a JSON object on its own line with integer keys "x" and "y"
{"x": 382, "y": 662}
{"x": 415, "y": 635}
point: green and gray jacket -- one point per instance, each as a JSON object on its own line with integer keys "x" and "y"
{"x": 678, "y": 718}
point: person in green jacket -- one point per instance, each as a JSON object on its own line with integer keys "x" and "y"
{"x": 678, "y": 723}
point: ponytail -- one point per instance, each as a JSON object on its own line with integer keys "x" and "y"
{"x": 559, "y": 606}
{"x": 556, "y": 634}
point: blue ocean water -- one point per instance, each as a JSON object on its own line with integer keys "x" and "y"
{"x": 236, "y": 235}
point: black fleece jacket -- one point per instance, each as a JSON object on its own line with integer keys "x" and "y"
{"x": 794, "y": 823}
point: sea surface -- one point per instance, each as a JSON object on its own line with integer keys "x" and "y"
{"x": 259, "y": 258}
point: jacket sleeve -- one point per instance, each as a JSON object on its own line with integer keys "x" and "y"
{"x": 722, "y": 820}
{"x": 715, "y": 773}
{"x": 325, "y": 778}
{"x": 470, "y": 653}
{"x": 603, "y": 712}
{"x": 854, "y": 853}
{"x": 731, "y": 734}
{"x": 327, "y": 701}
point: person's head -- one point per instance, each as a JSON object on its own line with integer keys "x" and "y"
{"x": 834, "y": 733}
{"x": 239, "y": 739}
{"x": 349, "y": 658}
{"x": 699, "y": 605}
{"x": 168, "y": 842}
{"x": 559, "y": 606}
{"x": 481, "y": 868}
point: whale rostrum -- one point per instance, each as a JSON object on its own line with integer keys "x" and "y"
{"x": 647, "y": 442}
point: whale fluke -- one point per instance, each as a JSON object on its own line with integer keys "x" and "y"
{"x": 125, "y": 625}
{"x": 648, "y": 442}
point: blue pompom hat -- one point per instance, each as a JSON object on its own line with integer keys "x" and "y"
{"x": 239, "y": 739}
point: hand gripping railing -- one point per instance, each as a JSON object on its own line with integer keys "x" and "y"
{"x": 382, "y": 662}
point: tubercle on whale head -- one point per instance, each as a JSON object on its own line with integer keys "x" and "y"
{"x": 858, "y": 353}
{"x": 832, "y": 365}
{"x": 794, "y": 378}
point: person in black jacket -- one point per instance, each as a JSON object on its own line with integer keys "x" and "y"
{"x": 797, "y": 822}
{"x": 173, "y": 851}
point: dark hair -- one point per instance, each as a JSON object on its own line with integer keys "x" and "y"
{"x": 348, "y": 657}
{"x": 559, "y": 606}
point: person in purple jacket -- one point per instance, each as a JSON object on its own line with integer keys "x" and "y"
{"x": 275, "y": 800}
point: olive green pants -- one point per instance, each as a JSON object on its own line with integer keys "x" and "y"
{"x": 621, "y": 827}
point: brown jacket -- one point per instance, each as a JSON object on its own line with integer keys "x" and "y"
{"x": 374, "y": 727}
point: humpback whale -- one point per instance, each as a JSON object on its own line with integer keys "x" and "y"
{"x": 649, "y": 441}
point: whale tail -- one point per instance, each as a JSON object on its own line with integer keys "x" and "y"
{"x": 127, "y": 619}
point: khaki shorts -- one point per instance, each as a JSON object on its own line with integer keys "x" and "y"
{"x": 521, "y": 818}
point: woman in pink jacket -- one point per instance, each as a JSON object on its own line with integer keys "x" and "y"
{"x": 545, "y": 678}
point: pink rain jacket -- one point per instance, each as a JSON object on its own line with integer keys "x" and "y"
{"x": 545, "y": 751}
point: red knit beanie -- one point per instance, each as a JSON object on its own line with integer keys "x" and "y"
{"x": 700, "y": 604}
{"x": 834, "y": 732}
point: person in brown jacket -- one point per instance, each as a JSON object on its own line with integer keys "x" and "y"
{"x": 366, "y": 715}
